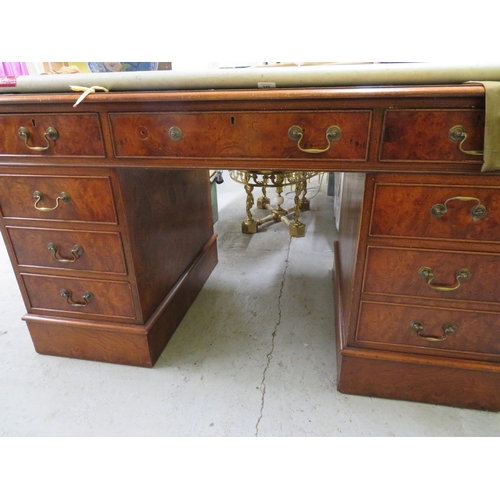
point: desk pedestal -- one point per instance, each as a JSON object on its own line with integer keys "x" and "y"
{"x": 108, "y": 274}
{"x": 407, "y": 334}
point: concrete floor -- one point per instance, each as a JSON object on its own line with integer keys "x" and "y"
{"x": 255, "y": 356}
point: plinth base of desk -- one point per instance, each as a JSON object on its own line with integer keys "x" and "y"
{"x": 428, "y": 381}
{"x": 137, "y": 345}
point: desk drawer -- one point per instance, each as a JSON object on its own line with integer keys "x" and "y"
{"x": 446, "y": 211}
{"x": 88, "y": 199}
{"x": 387, "y": 326}
{"x": 108, "y": 298}
{"x": 76, "y": 134}
{"x": 423, "y": 135}
{"x": 52, "y": 248}
{"x": 443, "y": 275}
{"x": 240, "y": 134}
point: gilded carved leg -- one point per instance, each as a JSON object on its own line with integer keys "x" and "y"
{"x": 277, "y": 213}
{"x": 305, "y": 204}
{"x": 263, "y": 201}
{"x": 297, "y": 228}
{"x": 250, "y": 225}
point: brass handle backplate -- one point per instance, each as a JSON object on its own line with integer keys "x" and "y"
{"x": 477, "y": 212}
{"x": 87, "y": 297}
{"x": 426, "y": 273}
{"x": 51, "y": 134}
{"x": 296, "y": 133}
{"x": 448, "y": 328}
{"x": 76, "y": 251}
{"x": 458, "y": 134}
{"x": 39, "y": 197}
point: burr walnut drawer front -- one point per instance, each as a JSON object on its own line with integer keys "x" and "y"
{"x": 332, "y": 135}
{"x": 446, "y": 211}
{"x": 67, "y": 249}
{"x": 435, "y": 274}
{"x": 52, "y": 294}
{"x": 448, "y": 135}
{"x": 387, "y": 326}
{"x": 72, "y": 134}
{"x": 69, "y": 198}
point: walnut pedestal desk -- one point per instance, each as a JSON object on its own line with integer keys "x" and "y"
{"x": 107, "y": 220}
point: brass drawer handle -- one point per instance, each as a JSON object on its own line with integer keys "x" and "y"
{"x": 426, "y": 273}
{"x": 448, "y": 328}
{"x": 333, "y": 133}
{"x": 38, "y": 196}
{"x": 50, "y": 134}
{"x": 458, "y": 134}
{"x": 175, "y": 133}
{"x": 477, "y": 212}
{"x": 87, "y": 298}
{"x": 76, "y": 251}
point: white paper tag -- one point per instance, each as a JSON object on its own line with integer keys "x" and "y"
{"x": 266, "y": 85}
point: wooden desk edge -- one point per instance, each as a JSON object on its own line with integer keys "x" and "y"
{"x": 466, "y": 89}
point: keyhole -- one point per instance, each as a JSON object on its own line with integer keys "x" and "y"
{"x": 33, "y": 122}
{"x": 143, "y": 133}
{"x": 232, "y": 120}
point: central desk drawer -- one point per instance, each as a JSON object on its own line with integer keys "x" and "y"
{"x": 70, "y": 250}
{"x": 447, "y": 211}
{"x": 241, "y": 134}
{"x": 404, "y": 272}
{"x": 83, "y": 296}
{"x": 35, "y": 134}
{"x": 387, "y": 326}
{"x": 424, "y": 135}
{"x": 69, "y": 198}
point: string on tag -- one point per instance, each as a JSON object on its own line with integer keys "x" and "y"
{"x": 86, "y": 91}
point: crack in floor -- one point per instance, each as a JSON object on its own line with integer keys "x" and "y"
{"x": 273, "y": 336}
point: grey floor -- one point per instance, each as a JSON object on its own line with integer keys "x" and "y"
{"x": 255, "y": 356}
